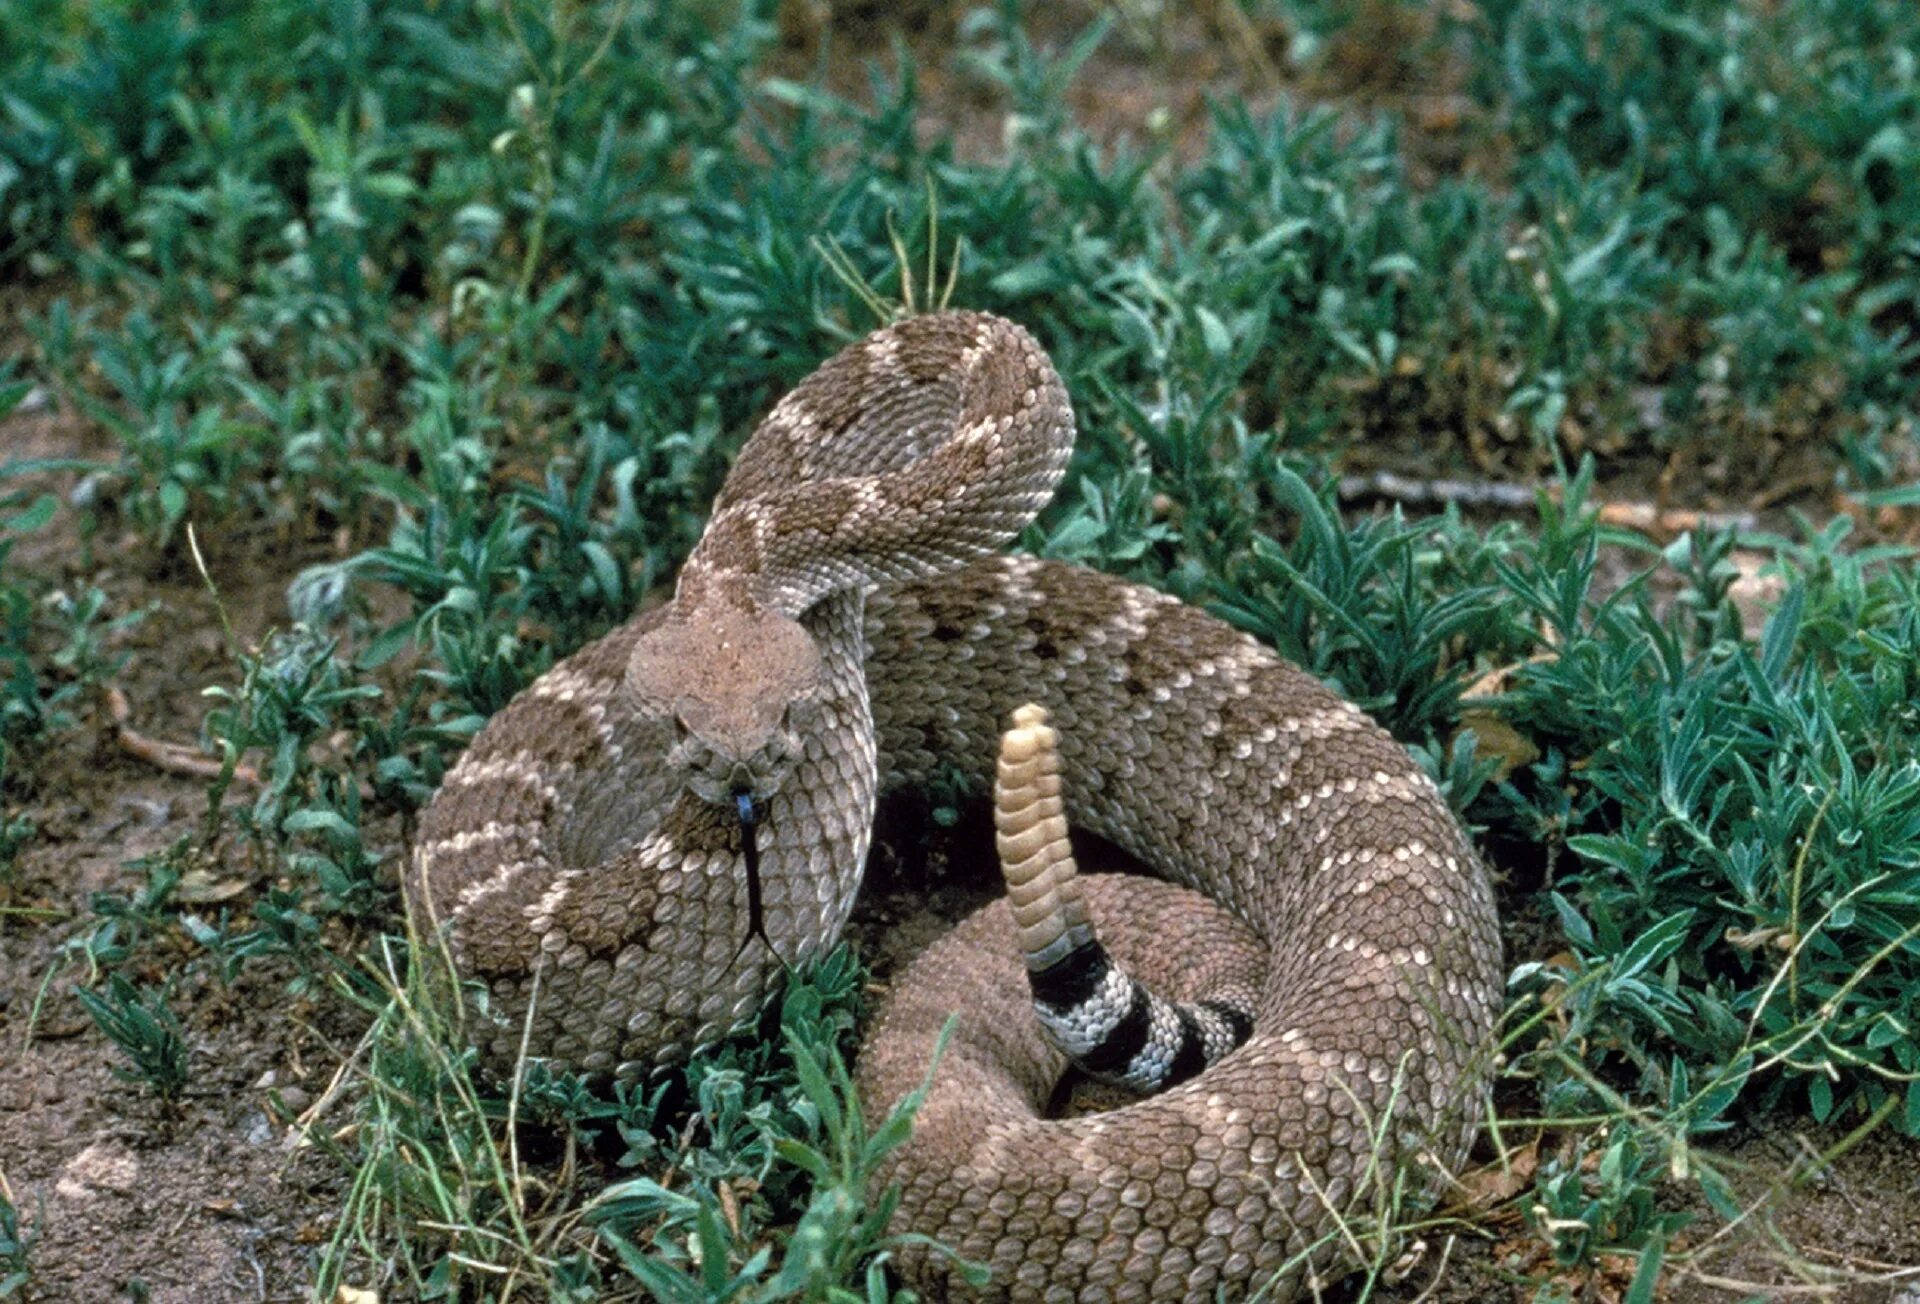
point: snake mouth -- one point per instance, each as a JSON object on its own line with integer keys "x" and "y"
{"x": 719, "y": 777}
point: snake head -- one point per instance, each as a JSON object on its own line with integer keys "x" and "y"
{"x": 740, "y": 687}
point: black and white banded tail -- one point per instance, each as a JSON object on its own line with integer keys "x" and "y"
{"x": 1106, "y": 1022}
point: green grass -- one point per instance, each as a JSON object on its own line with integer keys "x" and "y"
{"x": 16, "y": 1247}
{"x": 490, "y": 294}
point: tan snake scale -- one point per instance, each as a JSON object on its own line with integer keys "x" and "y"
{"x": 845, "y": 627}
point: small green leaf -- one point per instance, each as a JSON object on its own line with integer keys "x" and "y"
{"x": 1572, "y": 923}
{"x": 1781, "y": 634}
{"x": 173, "y": 500}
{"x": 1219, "y": 339}
{"x": 313, "y": 820}
{"x": 1820, "y": 1096}
{"x": 33, "y": 517}
{"x": 1647, "y": 1275}
{"x": 1654, "y": 945}
{"x": 1719, "y": 1195}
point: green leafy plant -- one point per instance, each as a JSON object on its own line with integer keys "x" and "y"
{"x": 16, "y": 1245}
{"x": 293, "y": 691}
{"x": 793, "y": 1134}
{"x": 143, "y": 1026}
{"x": 1745, "y": 823}
{"x": 1602, "y": 1200}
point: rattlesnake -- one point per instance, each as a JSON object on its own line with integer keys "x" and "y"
{"x": 843, "y": 627}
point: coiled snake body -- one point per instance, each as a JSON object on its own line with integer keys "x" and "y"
{"x": 844, "y": 627}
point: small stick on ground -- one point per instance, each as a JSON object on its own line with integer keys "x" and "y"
{"x": 173, "y": 758}
{"x": 1410, "y": 492}
{"x": 1494, "y": 495}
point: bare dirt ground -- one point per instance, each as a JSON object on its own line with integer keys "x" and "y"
{"x": 209, "y": 1199}
{"x": 216, "y": 1200}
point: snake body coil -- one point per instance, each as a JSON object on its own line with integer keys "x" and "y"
{"x": 844, "y": 627}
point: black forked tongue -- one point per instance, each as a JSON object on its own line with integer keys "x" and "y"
{"x": 749, "y": 812}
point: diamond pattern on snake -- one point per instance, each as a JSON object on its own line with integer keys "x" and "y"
{"x": 638, "y": 845}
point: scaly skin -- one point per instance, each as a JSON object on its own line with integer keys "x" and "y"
{"x": 577, "y": 852}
